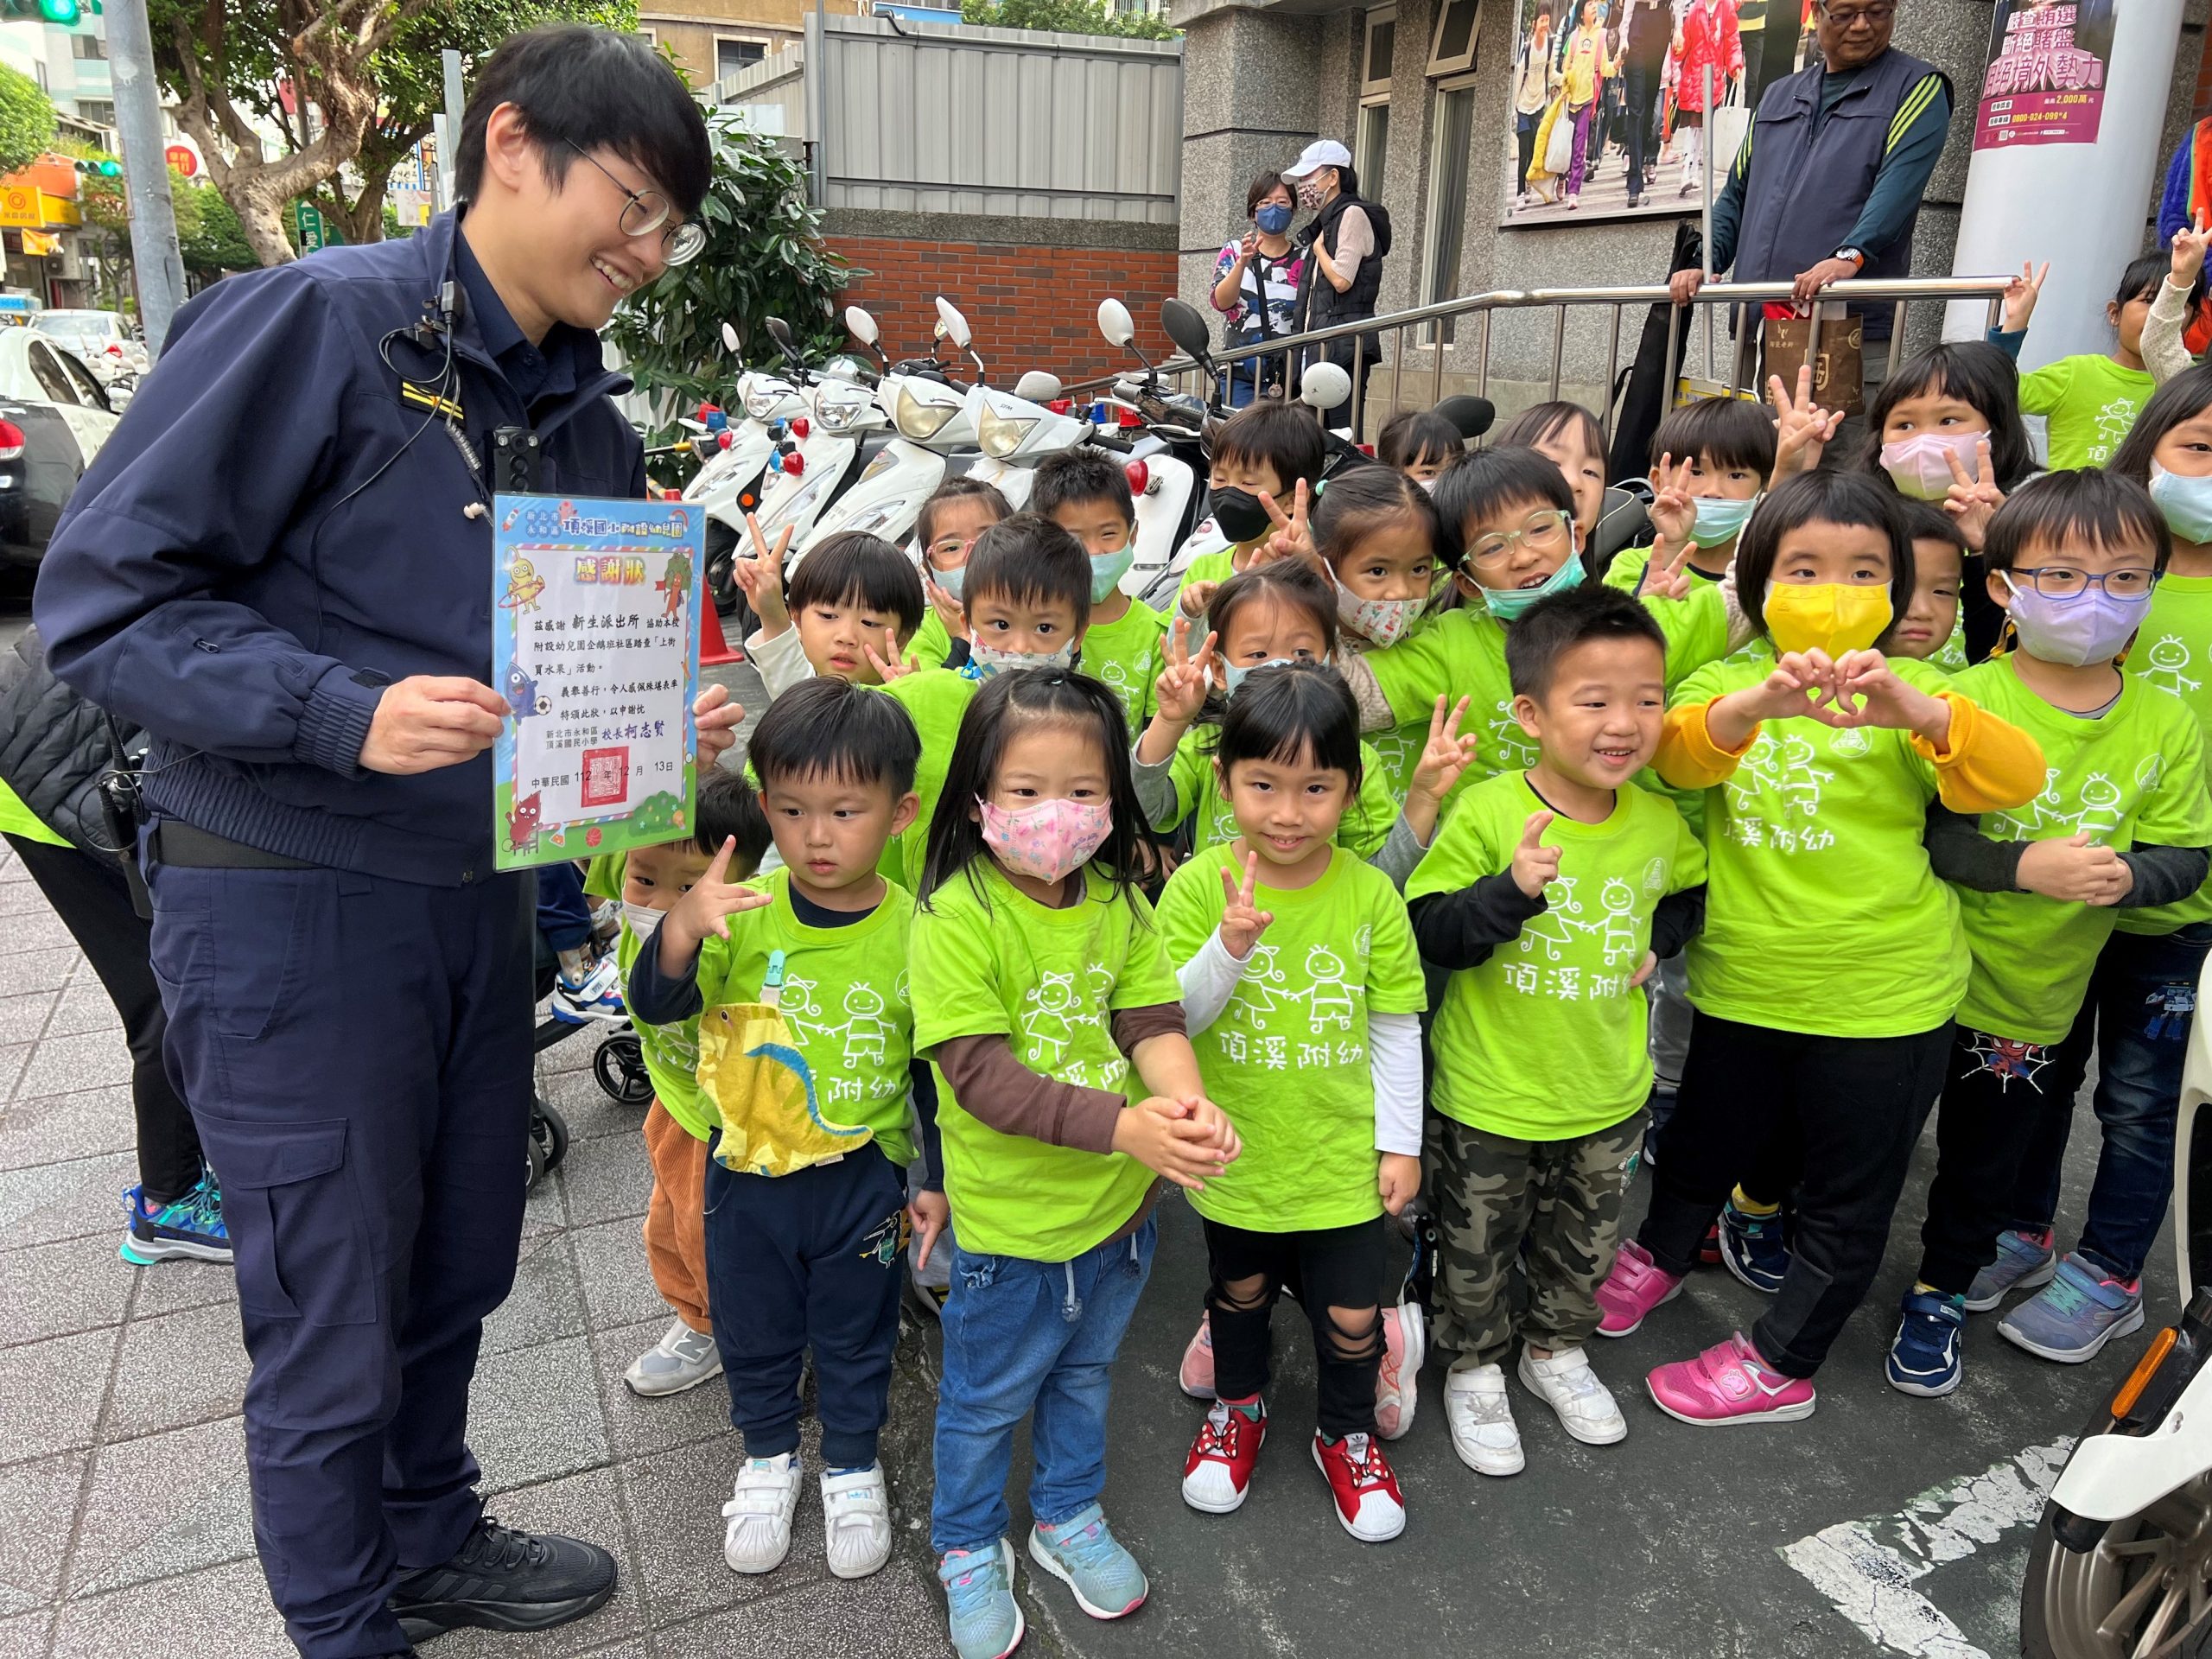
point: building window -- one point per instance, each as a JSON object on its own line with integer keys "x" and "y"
{"x": 734, "y": 57}
{"x": 87, "y": 48}
{"x": 1451, "y": 48}
{"x": 1446, "y": 215}
{"x": 1372, "y": 152}
{"x": 650, "y": 39}
{"x": 1382, "y": 41}
{"x": 100, "y": 111}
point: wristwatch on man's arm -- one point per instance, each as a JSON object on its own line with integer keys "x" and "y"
{"x": 1858, "y": 259}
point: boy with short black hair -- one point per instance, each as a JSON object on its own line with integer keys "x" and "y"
{"x": 678, "y": 1127}
{"x": 804, "y": 1197}
{"x": 1519, "y": 1157}
{"x": 1722, "y": 453}
{"x": 1268, "y": 449}
{"x": 853, "y": 602}
{"x": 1086, "y": 492}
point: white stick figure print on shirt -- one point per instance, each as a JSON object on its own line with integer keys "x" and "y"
{"x": 801, "y": 1012}
{"x": 1329, "y": 1000}
{"x": 1514, "y": 748}
{"x": 1051, "y": 1016}
{"x": 2167, "y": 657}
{"x": 1554, "y": 928}
{"x": 867, "y": 1033}
{"x": 1620, "y": 925}
{"x": 2097, "y": 809}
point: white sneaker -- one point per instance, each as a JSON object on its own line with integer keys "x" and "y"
{"x": 1481, "y": 1419}
{"x": 683, "y": 1358}
{"x": 760, "y": 1514}
{"x": 1586, "y": 1407}
{"x": 856, "y": 1522}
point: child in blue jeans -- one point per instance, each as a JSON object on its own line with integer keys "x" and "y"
{"x": 1044, "y": 995}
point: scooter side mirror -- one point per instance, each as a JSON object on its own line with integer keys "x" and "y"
{"x": 1037, "y": 387}
{"x": 1471, "y": 415}
{"x": 1116, "y": 323}
{"x": 860, "y": 324}
{"x": 780, "y": 331}
{"x": 1325, "y": 385}
{"x": 1187, "y": 328}
{"x": 955, "y": 324}
{"x": 730, "y": 342}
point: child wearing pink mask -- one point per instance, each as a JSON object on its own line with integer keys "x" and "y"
{"x": 1043, "y": 994}
{"x": 1946, "y": 428}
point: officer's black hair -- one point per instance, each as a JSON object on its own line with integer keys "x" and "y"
{"x": 831, "y": 727}
{"x": 1479, "y": 486}
{"x": 1292, "y": 714}
{"x": 1557, "y": 623}
{"x": 855, "y": 568}
{"x": 1075, "y": 475}
{"x": 1029, "y": 560}
{"x": 1822, "y": 496}
{"x": 1283, "y": 437}
{"x": 2056, "y": 511}
{"x": 593, "y": 89}
{"x": 728, "y": 807}
{"x": 1719, "y": 433}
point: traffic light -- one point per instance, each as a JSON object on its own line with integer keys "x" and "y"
{"x": 62, "y": 14}
{"x": 105, "y": 168}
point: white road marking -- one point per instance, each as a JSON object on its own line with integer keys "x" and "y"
{"x": 1867, "y": 1568}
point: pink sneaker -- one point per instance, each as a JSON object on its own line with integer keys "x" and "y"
{"x": 1728, "y": 1383}
{"x": 1197, "y": 1372}
{"x": 1632, "y": 1289}
{"x": 1405, "y": 1345}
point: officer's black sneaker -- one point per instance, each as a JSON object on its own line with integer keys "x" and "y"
{"x": 502, "y": 1580}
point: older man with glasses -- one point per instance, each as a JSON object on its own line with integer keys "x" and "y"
{"x": 1827, "y": 184}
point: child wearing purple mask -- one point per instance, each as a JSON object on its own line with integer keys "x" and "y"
{"x": 1043, "y": 994}
{"x": 2124, "y": 820}
{"x": 1946, "y": 428}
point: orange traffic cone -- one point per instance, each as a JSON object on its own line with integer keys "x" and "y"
{"x": 715, "y": 652}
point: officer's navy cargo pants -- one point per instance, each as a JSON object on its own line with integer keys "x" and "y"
{"x": 357, "y": 1055}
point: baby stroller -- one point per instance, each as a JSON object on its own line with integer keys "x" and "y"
{"x": 618, "y": 1066}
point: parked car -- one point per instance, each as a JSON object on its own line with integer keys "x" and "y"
{"x": 54, "y": 417}
{"x": 103, "y": 338}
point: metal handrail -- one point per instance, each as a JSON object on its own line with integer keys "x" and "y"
{"x": 1898, "y": 292}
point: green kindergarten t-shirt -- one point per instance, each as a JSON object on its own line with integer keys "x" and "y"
{"x": 2088, "y": 401}
{"x": 2177, "y": 627}
{"x": 1822, "y": 915}
{"x": 931, "y": 644}
{"x": 844, "y": 997}
{"x": 1127, "y": 655}
{"x": 2134, "y": 773}
{"x": 1288, "y": 1058}
{"x": 671, "y": 1052}
{"x": 1626, "y": 571}
{"x": 1217, "y": 566}
{"x": 986, "y": 959}
{"x": 1363, "y": 830}
{"x": 1545, "y": 1040}
{"x": 936, "y": 699}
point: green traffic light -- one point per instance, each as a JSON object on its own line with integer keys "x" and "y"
{"x": 63, "y": 12}
{"x": 111, "y": 169}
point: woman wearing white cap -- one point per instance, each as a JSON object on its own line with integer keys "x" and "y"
{"x": 1348, "y": 237}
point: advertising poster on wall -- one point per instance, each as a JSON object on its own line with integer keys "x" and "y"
{"x": 2045, "y": 76}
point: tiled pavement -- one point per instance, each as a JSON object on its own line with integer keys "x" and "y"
{"x": 124, "y": 1524}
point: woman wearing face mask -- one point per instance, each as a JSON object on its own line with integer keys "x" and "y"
{"x": 1347, "y": 241}
{"x": 1256, "y": 284}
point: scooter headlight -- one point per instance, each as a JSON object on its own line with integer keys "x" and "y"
{"x": 999, "y": 435}
{"x": 761, "y": 396}
{"x": 919, "y": 421}
{"x": 839, "y": 408}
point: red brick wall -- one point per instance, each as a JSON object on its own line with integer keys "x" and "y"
{"x": 1028, "y": 307}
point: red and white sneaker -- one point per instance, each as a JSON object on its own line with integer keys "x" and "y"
{"x": 1196, "y": 1374}
{"x": 1364, "y": 1486}
{"x": 1728, "y": 1383}
{"x": 1218, "y": 1472}
{"x": 1397, "y": 1379}
{"x": 1635, "y": 1287}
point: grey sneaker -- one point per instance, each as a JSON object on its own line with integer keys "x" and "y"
{"x": 683, "y": 1358}
{"x": 2072, "y": 1318}
{"x": 1083, "y": 1553}
{"x": 986, "y": 1620}
{"x": 2024, "y": 1262}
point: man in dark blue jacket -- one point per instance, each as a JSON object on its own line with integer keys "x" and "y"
{"x": 281, "y": 566}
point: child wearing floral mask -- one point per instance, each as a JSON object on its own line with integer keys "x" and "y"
{"x": 1282, "y": 612}
{"x": 1832, "y": 957}
{"x": 2123, "y": 820}
{"x": 1044, "y": 995}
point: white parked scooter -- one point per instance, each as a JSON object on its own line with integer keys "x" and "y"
{"x": 2121, "y": 1563}
{"x": 809, "y": 476}
{"x": 727, "y": 485}
{"x": 1161, "y": 482}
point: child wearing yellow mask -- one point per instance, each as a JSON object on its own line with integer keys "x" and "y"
{"x": 1832, "y": 958}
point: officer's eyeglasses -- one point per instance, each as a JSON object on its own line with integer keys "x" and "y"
{"x": 1872, "y": 17}
{"x": 647, "y": 211}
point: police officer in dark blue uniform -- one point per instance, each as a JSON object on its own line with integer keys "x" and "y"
{"x": 281, "y": 567}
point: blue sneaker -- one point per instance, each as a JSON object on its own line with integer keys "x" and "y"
{"x": 978, "y": 1584}
{"x": 188, "y": 1229}
{"x": 1924, "y": 1359}
{"x": 1753, "y": 1249}
{"x": 2024, "y": 1262}
{"x": 598, "y": 997}
{"x": 1083, "y": 1553}
{"x": 2076, "y": 1314}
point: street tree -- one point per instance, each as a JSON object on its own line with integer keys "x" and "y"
{"x": 26, "y": 121}
{"x": 1066, "y": 16}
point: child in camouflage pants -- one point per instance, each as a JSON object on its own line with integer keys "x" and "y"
{"x": 1549, "y": 896}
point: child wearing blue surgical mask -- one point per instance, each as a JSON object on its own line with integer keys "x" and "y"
{"x": 956, "y": 512}
{"x": 1715, "y": 457}
{"x": 1086, "y": 492}
{"x": 1281, "y": 612}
